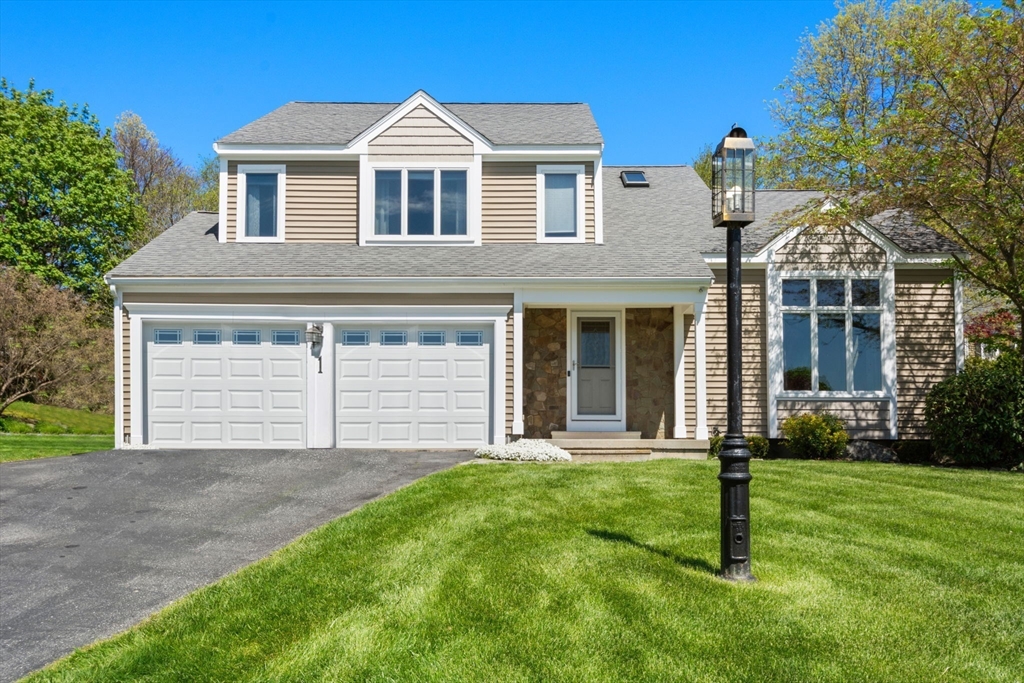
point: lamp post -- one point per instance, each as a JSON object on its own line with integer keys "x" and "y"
{"x": 732, "y": 207}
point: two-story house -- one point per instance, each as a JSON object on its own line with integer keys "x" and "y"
{"x": 451, "y": 275}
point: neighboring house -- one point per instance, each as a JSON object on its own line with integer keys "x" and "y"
{"x": 469, "y": 273}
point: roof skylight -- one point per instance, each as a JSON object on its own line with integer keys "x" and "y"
{"x": 634, "y": 179}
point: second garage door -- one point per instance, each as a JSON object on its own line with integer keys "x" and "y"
{"x": 406, "y": 386}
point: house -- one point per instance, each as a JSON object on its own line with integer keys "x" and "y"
{"x": 450, "y": 275}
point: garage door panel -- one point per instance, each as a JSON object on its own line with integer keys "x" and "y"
{"x": 410, "y": 395}
{"x": 227, "y": 394}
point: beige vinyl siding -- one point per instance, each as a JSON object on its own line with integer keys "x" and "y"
{"x": 509, "y": 201}
{"x": 321, "y": 200}
{"x": 864, "y": 419}
{"x": 126, "y": 374}
{"x": 325, "y": 298}
{"x": 510, "y": 390}
{"x": 817, "y": 249}
{"x": 755, "y": 381}
{"x": 420, "y": 135}
{"x": 925, "y": 343}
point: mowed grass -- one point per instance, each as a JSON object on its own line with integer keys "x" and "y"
{"x": 29, "y": 446}
{"x": 54, "y": 420}
{"x": 867, "y": 572}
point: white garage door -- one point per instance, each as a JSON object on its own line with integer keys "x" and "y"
{"x": 225, "y": 385}
{"x": 413, "y": 386}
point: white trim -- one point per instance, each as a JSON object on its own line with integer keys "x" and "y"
{"x": 679, "y": 345}
{"x": 320, "y": 391}
{"x": 291, "y": 313}
{"x": 888, "y": 341}
{"x": 600, "y": 423}
{"x": 367, "y": 197}
{"x": 240, "y": 193}
{"x": 958, "y": 330}
{"x": 297, "y": 152}
{"x": 118, "y": 370}
{"x": 773, "y": 280}
{"x": 700, "y": 345}
{"x": 138, "y": 371}
{"x": 360, "y": 143}
{"x": 499, "y": 350}
{"x": 581, "y": 219}
{"x": 598, "y": 201}
{"x": 518, "y": 422}
{"x": 222, "y": 206}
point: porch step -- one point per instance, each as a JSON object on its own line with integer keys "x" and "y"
{"x": 611, "y": 450}
{"x": 590, "y": 436}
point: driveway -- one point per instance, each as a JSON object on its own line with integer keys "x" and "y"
{"x": 91, "y": 544}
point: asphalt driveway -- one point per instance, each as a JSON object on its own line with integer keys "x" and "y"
{"x": 91, "y": 544}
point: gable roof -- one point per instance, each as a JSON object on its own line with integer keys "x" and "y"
{"x": 645, "y": 231}
{"x": 338, "y": 123}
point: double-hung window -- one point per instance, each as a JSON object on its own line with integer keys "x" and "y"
{"x": 832, "y": 335}
{"x": 560, "y": 203}
{"x": 420, "y": 202}
{"x": 260, "y": 216}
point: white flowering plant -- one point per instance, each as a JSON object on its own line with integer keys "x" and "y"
{"x": 532, "y": 450}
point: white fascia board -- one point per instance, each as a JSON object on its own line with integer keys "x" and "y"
{"x": 289, "y": 312}
{"x": 360, "y": 144}
{"x": 545, "y": 152}
{"x": 290, "y": 152}
{"x": 759, "y": 260}
{"x": 923, "y": 260}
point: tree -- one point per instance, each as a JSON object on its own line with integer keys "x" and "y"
{"x": 208, "y": 196}
{"x": 67, "y": 211}
{"x": 918, "y": 107}
{"x": 50, "y": 344}
{"x": 772, "y": 173}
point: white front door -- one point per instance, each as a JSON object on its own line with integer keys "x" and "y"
{"x": 596, "y": 371}
{"x": 417, "y": 385}
{"x": 210, "y": 385}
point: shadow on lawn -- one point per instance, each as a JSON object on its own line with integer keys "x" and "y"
{"x": 688, "y": 562}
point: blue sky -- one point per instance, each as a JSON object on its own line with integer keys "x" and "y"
{"x": 661, "y": 78}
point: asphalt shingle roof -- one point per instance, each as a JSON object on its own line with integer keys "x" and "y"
{"x": 338, "y": 123}
{"x": 647, "y": 235}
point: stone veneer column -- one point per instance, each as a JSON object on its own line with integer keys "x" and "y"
{"x": 650, "y": 372}
{"x": 544, "y": 365}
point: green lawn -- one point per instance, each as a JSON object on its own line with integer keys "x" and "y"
{"x": 867, "y": 572}
{"x": 28, "y": 446}
{"x": 32, "y": 417}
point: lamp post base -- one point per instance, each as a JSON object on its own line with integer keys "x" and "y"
{"x": 735, "y": 508}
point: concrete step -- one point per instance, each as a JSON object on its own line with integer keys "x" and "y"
{"x": 595, "y": 435}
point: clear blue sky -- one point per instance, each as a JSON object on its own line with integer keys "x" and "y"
{"x": 661, "y": 78}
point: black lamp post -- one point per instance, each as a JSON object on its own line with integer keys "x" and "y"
{"x": 732, "y": 207}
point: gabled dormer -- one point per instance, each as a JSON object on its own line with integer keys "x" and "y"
{"x": 416, "y": 173}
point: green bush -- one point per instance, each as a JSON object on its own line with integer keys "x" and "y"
{"x": 816, "y": 435}
{"x": 12, "y": 426}
{"x": 758, "y": 446}
{"x": 51, "y": 428}
{"x": 976, "y": 417}
{"x": 715, "y": 446}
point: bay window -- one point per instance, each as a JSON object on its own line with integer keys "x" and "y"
{"x": 420, "y": 202}
{"x": 832, "y": 335}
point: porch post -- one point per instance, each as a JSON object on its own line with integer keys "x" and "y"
{"x": 517, "y": 365}
{"x": 679, "y": 338}
{"x": 135, "y": 362}
{"x": 701, "y": 430}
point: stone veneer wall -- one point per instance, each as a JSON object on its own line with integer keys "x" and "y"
{"x": 544, "y": 362}
{"x": 650, "y": 372}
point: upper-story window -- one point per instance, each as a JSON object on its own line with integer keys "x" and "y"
{"x": 420, "y": 202}
{"x": 260, "y": 203}
{"x": 560, "y": 203}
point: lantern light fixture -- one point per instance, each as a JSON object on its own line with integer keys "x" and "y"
{"x": 732, "y": 180}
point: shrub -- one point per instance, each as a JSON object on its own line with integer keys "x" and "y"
{"x": 976, "y": 417}
{"x": 816, "y": 435}
{"x": 12, "y": 426}
{"x": 758, "y": 446}
{"x": 51, "y": 428}
{"x": 715, "y": 445}
{"x": 535, "y": 450}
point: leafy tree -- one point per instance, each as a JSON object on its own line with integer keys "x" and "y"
{"x": 67, "y": 211}
{"x": 919, "y": 107}
{"x": 50, "y": 345}
{"x": 208, "y": 196}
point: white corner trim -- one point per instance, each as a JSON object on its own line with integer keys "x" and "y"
{"x": 581, "y": 219}
{"x": 889, "y": 376}
{"x": 118, "y": 370}
{"x": 700, "y": 346}
{"x": 499, "y": 350}
{"x": 518, "y": 422}
{"x": 958, "y": 307}
{"x": 222, "y": 207}
{"x": 240, "y": 193}
{"x": 136, "y": 349}
{"x": 598, "y": 201}
{"x": 774, "y": 297}
{"x": 679, "y": 343}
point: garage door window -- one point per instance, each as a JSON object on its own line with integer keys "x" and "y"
{"x": 284, "y": 337}
{"x": 166, "y": 336}
{"x": 393, "y": 338}
{"x": 355, "y": 338}
{"x": 469, "y": 338}
{"x": 211, "y": 337}
{"x": 247, "y": 337}
{"x": 432, "y": 338}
